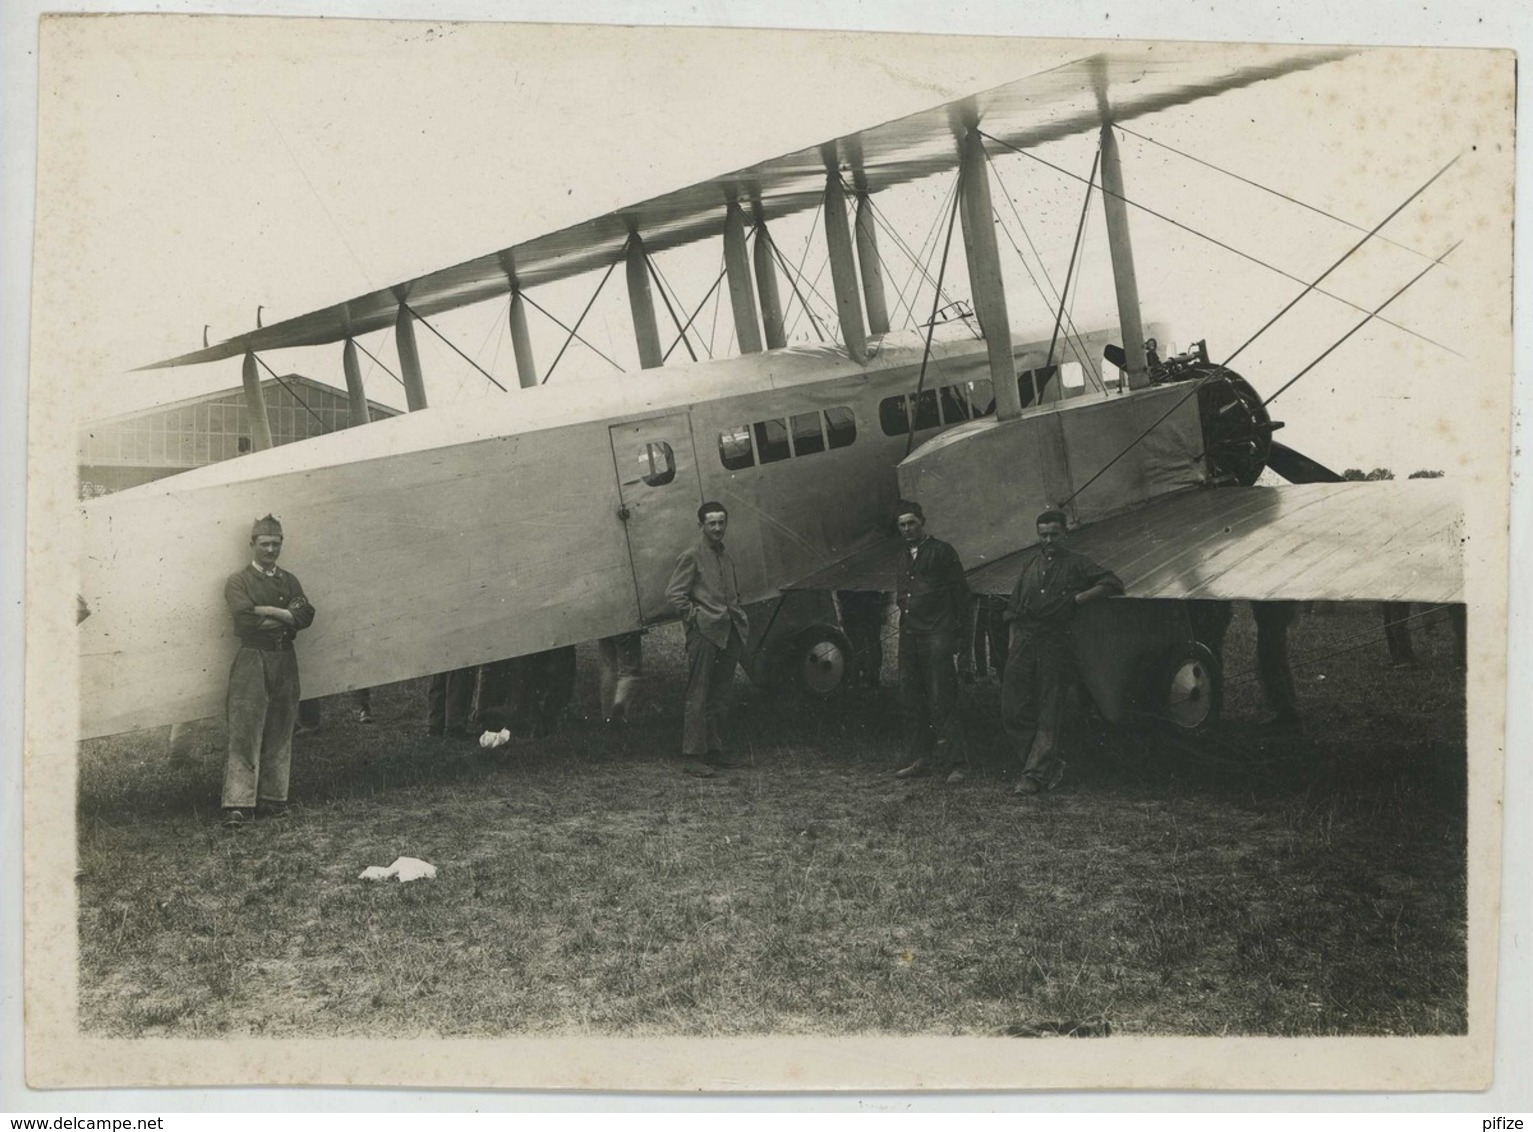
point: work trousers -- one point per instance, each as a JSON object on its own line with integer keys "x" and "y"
{"x": 862, "y": 616}
{"x": 450, "y": 701}
{"x": 985, "y": 650}
{"x": 1272, "y": 621}
{"x": 263, "y": 702}
{"x": 622, "y": 663}
{"x": 1040, "y": 705}
{"x": 710, "y": 688}
{"x": 929, "y": 700}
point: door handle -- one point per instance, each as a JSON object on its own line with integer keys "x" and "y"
{"x": 623, "y": 513}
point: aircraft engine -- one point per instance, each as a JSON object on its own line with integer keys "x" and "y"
{"x": 1237, "y": 431}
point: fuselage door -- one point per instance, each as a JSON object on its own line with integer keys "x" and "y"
{"x": 659, "y": 490}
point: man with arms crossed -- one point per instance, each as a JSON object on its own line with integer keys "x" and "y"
{"x": 1040, "y": 689}
{"x": 269, "y": 608}
{"x": 705, "y": 590}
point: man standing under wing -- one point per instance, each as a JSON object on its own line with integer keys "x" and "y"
{"x": 933, "y": 598}
{"x": 705, "y": 590}
{"x": 269, "y": 608}
{"x": 1040, "y": 688}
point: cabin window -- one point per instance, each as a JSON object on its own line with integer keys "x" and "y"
{"x": 1046, "y": 392}
{"x": 807, "y": 437}
{"x": 840, "y": 426}
{"x": 771, "y": 441}
{"x": 735, "y": 448}
{"x": 926, "y": 410}
{"x": 981, "y": 398}
{"x": 657, "y": 464}
{"x": 955, "y": 404}
{"x": 1073, "y": 378}
{"x": 892, "y": 415}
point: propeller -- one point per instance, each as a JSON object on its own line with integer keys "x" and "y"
{"x": 1296, "y": 467}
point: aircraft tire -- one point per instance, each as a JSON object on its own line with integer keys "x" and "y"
{"x": 818, "y": 663}
{"x": 1184, "y": 688}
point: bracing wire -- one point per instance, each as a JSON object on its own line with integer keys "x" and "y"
{"x": 697, "y": 310}
{"x": 453, "y": 346}
{"x": 1221, "y": 244}
{"x": 1078, "y": 348}
{"x": 931, "y": 326}
{"x": 1267, "y": 189}
{"x": 574, "y": 331}
{"x": 291, "y": 392}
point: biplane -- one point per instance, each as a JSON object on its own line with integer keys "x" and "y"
{"x": 456, "y": 535}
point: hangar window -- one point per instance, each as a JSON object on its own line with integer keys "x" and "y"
{"x": 735, "y": 448}
{"x": 807, "y": 435}
{"x": 657, "y": 463}
{"x": 840, "y": 426}
{"x": 771, "y": 441}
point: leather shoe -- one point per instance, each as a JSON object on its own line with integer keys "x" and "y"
{"x": 1027, "y": 786}
{"x": 234, "y": 819}
{"x": 916, "y": 769}
{"x": 958, "y": 775}
{"x": 698, "y": 769}
{"x": 720, "y": 761}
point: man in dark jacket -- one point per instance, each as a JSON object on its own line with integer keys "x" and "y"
{"x": 269, "y": 609}
{"x": 705, "y": 589}
{"x": 933, "y": 599}
{"x": 1039, "y": 692}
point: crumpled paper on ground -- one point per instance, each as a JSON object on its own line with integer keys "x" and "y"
{"x": 404, "y": 868}
{"x": 492, "y": 739}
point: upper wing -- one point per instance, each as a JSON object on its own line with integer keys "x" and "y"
{"x": 1069, "y": 99}
{"x": 1316, "y": 542}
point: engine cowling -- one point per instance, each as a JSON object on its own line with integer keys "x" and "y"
{"x": 1237, "y": 430}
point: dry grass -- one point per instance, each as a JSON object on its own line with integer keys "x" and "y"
{"x": 1285, "y": 887}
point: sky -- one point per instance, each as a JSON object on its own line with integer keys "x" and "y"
{"x": 209, "y": 168}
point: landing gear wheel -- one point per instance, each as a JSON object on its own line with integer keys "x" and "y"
{"x": 1184, "y": 688}
{"x": 819, "y": 662}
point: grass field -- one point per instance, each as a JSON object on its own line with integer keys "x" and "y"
{"x": 1289, "y": 887}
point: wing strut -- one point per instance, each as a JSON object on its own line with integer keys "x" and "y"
{"x": 356, "y": 393}
{"x": 985, "y": 274}
{"x": 872, "y": 268}
{"x": 772, "y": 325}
{"x": 255, "y": 402}
{"x": 742, "y": 291}
{"x": 521, "y": 341}
{"x": 1125, "y": 281}
{"x": 843, "y": 266}
{"x": 641, "y": 304}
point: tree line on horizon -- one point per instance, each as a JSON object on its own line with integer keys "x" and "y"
{"x": 1386, "y": 474}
